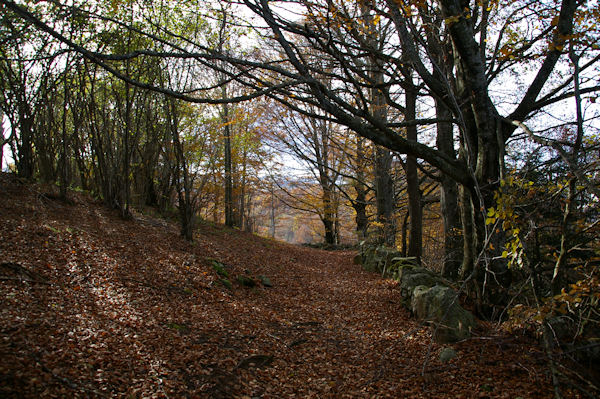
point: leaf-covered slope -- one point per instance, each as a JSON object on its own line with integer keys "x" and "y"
{"x": 94, "y": 306}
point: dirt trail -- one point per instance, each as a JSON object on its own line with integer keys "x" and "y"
{"x": 94, "y": 306}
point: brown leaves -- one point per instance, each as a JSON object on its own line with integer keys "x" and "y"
{"x": 133, "y": 311}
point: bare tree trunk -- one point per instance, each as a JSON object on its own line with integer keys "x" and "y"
{"x": 384, "y": 193}
{"x": 229, "y": 213}
{"x": 3, "y": 140}
{"x": 272, "y": 230}
{"x": 404, "y": 230}
{"x": 449, "y": 198}
{"x": 384, "y": 188}
{"x": 25, "y": 160}
{"x": 415, "y": 209}
{"x": 63, "y": 161}
{"x": 182, "y": 178}
{"x": 360, "y": 202}
{"x": 558, "y": 275}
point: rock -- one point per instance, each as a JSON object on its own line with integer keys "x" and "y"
{"x": 412, "y": 277}
{"x": 447, "y": 354}
{"x": 264, "y": 280}
{"x": 378, "y": 259}
{"x": 424, "y": 292}
{"x": 439, "y": 305}
{"x": 387, "y": 257}
{"x": 369, "y": 259}
{"x": 220, "y": 269}
{"x": 256, "y": 361}
{"x": 358, "y": 260}
{"x": 246, "y": 281}
{"x": 226, "y": 283}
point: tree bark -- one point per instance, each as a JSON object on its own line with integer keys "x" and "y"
{"x": 229, "y": 212}
{"x": 384, "y": 193}
{"x": 415, "y": 208}
{"x": 449, "y": 198}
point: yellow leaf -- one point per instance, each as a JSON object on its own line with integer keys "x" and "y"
{"x": 451, "y": 20}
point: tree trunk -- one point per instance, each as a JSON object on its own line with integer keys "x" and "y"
{"x": 415, "y": 209}
{"x": 384, "y": 193}
{"x": 360, "y": 202}
{"x": 63, "y": 161}
{"x": 328, "y": 216}
{"x": 449, "y": 198}
{"x": 229, "y": 213}
{"x": 272, "y": 229}
{"x": 404, "y": 246}
{"x": 242, "y": 197}
{"x": 329, "y": 231}
{"x": 125, "y": 175}
{"x": 182, "y": 178}
{"x": 25, "y": 147}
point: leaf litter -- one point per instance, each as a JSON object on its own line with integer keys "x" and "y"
{"x": 96, "y": 306}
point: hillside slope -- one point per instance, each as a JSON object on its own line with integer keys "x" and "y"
{"x": 95, "y": 306}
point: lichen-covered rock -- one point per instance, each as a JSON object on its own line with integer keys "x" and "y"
{"x": 377, "y": 259}
{"x": 412, "y": 277}
{"x": 387, "y": 258}
{"x": 246, "y": 281}
{"x": 447, "y": 354}
{"x": 220, "y": 269}
{"x": 265, "y": 281}
{"x": 439, "y": 305}
{"x": 369, "y": 261}
{"x": 226, "y": 283}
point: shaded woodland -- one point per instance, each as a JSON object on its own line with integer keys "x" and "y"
{"x": 462, "y": 134}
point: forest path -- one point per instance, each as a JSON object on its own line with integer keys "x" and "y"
{"x": 95, "y": 306}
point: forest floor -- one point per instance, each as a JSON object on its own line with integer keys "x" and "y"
{"x": 95, "y": 306}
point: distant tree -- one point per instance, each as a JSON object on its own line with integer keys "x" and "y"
{"x": 314, "y": 144}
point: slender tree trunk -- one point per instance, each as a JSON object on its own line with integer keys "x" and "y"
{"x": 328, "y": 217}
{"x": 415, "y": 209}
{"x": 272, "y": 230}
{"x": 404, "y": 244}
{"x": 25, "y": 166}
{"x": 125, "y": 178}
{"x": 3, "y": 140}
{"x": 63, "y": 163}
{"x": 229, "y": 212}
{"x": 242, "y": 198}
{"x": 558, "y": 275}
{"x": 360, "y": 202}
{"x": 182, "y": 178}
{"x": 384, "y": 192}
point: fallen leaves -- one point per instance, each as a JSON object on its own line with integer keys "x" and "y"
{"x": 131, "y": 310}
